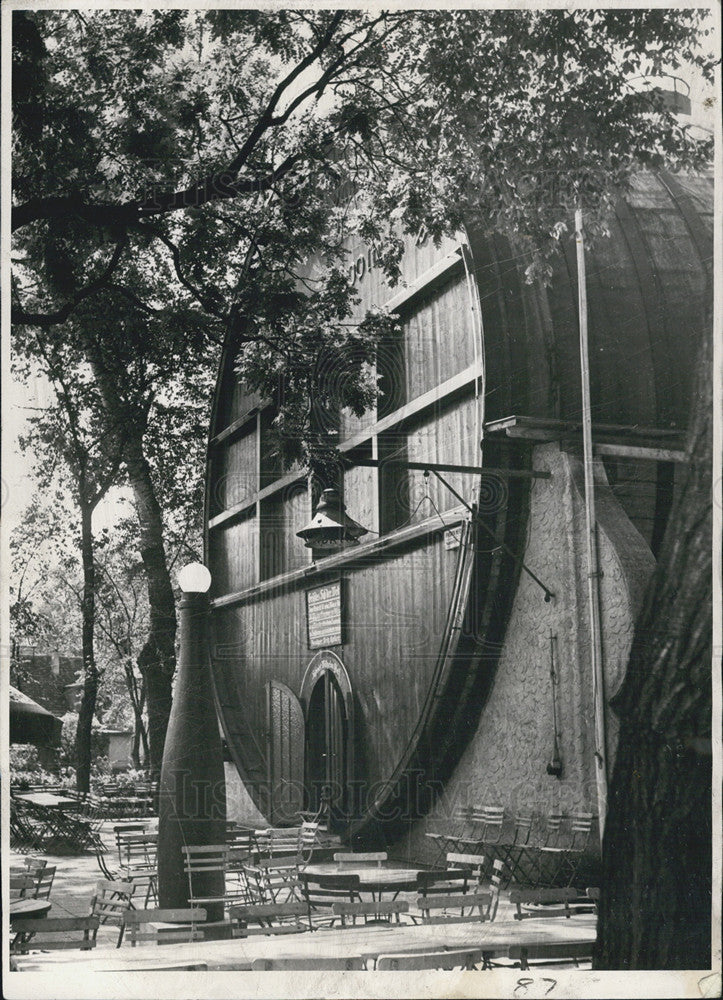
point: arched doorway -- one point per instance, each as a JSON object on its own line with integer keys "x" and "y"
{"x": 327, "y": 699}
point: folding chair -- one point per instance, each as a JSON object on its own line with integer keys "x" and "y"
{"x": 22, "y": 886}
{"x": 34, "y": 865}
{"x": 455, "y": 828}
{"x": 512, "y": 855}
{"x": 563, "y": 861}
{"x": 354, "y": 860}
{"x": 486, "y": 829}
{"x": 137, "y": 854}
{"x": 467, "y": 958}
{"x": 308, "y": 839}
{"x": 43, "y": 879}
{"x": 25, "y": 834}
{"x": 380, "y": 912}
{"x": 571, "y": 952}
{"x": 111, "y": 902}
{"x": 277, "y": 878}
{"x": 40, "y": 935}
{"x": 283, "y": 840}
{"x": 447, "y": 881}
{"x": 206, "y": 866}
{"x": 169, "y": 926}
{"x": 530, "y": 863}
{"x": 272, "y": 918}
{"x": 435, "y": 909}
{"x": 476, "y": 863}
{"x": 322, "y": 891}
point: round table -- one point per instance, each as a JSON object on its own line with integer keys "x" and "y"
{"x": 28, "y": 909}
{"x": 372, "y": 879}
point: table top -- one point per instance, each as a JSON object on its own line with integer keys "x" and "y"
{"x": 366, "y": 942}
{"x": 370, "y": 876}
{"x": 28, "y": 908}
{"x": 49, "y": 799}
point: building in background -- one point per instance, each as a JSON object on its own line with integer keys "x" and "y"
{"x": 445, "y": 660}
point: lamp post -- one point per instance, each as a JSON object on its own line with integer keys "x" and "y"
{"x": 192, "y": 794}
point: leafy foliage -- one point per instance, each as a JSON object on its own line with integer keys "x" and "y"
{"x": 175, "y": 169}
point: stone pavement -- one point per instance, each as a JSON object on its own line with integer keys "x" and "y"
{"x": 76, "y": 876}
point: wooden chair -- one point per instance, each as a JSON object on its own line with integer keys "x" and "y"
{"x": 511, "y": 855}
{"x": 43, "y": 882}
{"x": 542, "y": 903}
{"x": 436, "y": 909}
{"x": 137, "y": 855}
{"x": 320, "y": 892}
{"x": 571, "y": 952}
{"x": 476, "y": 863}
{"x": 40, "y": 935}
{"x": 531, "y": 867}
{"x": 111, "y": 902}
{"x": 26, "y": 832}
{"x": 446, "y": 880}
{"x": 180, "y": 925}
{"x": 205, "y": 861}
{"x": 308, "y": 964}
{"x": 497, "y": 880}
{"x": 272, "y": 918}
{"x": 560, "y": 861}
{"x": 308, "y": 840}
{"x": 467, "y": 958}
{"x": 452, "y": 830}
{"x": 283, "y": 840}
{"x": 380, "y": 912}
{"x": 22, "y": 886}
{"x": 593, "y": 894}
{"x": 34, "y": 865}
{"x": 355, "y": 860}
{"x": 486, "y": 828}
{"x": 276, "y": 879}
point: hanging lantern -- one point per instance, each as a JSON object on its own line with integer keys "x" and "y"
{"x": 331, "y": 527}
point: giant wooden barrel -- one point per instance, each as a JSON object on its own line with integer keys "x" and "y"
{"x": 363, "y": 675}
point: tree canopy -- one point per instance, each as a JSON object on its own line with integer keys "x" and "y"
{"x": 174, "y": 169}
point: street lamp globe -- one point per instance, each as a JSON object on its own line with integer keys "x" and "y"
{"x": 194, "y": 579}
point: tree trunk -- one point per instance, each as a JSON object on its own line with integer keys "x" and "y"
{"x": 655, "y": 905}
{"x": 137, "y": 699}
{"x": 157, "y": 659}
{"x": 90, "y": 685}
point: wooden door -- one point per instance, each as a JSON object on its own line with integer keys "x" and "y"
{"x": 327, "y": 749}
{"x": 286, "y": 744}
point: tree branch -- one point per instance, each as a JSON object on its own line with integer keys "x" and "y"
{"x": 44, "y": 320}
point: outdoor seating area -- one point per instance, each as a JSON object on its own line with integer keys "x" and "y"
{"x": 315, "y": 907}
{"x": 535, "y": 850}
{"x": 47, "y": 817}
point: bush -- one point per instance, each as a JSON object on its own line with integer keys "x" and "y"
{"x": 26, "y": 770}
{"x": 98, "y": 742}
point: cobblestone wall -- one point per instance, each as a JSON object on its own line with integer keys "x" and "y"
{"x": 505, "y": 762}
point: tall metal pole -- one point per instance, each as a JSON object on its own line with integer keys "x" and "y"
{"x": 593, "y": 568}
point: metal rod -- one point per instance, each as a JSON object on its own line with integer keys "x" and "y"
{"x": 593, "y": 576}
{"x": 444, "y": 467}
{"x": 554, "y": 767}
{"x": 548, "y": 593}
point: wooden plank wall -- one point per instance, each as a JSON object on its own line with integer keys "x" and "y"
{"x": 393, "y": 623}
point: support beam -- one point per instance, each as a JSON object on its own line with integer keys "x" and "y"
{"x": 632, "y": 451}
{"x": 475, "y": 470}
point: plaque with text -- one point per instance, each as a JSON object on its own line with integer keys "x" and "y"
{"x": 323, "y": 615}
